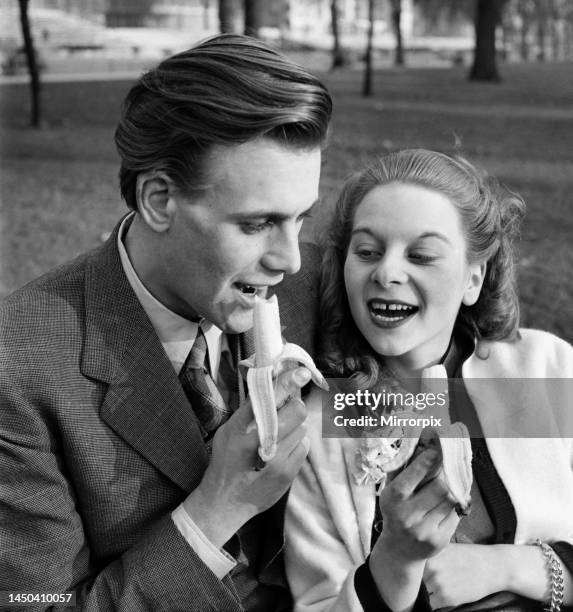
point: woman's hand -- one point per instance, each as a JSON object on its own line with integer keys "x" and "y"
{"x": 419, "y": 520}
{"x": 462, "y": 573}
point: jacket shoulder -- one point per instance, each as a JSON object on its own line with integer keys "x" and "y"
{"x": 533, "y": 354}
{"x": 298, "y": 296}
{"x": 46, "y": 308}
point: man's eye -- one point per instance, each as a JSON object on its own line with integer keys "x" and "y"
{"x": 255, "y": 228}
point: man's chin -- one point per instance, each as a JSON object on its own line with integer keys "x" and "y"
{"x": 238, "y": 323}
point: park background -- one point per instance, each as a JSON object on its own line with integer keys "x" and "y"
{"x": 59, "y": 185}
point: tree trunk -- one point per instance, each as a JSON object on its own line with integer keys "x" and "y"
{"x": 397, "y": 27}
{"x": 542, "y": 16}
{"x": 485, "y": 62}
{"x": 367, "y": 85}
{"x": 206, "y": 21}
{"x": 338, "y": 59}
{"x": 524, "y": 41}
{"x": 541, "y": 41}
{"x": 227, "y": 16}
{"x": 254, "y": 17}
{"x": 35, "y": 114}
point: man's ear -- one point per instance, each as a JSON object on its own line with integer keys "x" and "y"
{"x": 154, "y": 203}
{"x": 475, "y": 282}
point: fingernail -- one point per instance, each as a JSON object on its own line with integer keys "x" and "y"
{"x": 251, "y": 427}
{"x": 301, "y": 376}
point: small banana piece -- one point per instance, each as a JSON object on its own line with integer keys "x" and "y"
{"x": 455, "y": 469}
{"x": 269, "y": 360}
{"x": 453, "y": 442}
{"x": 397, "y": 448}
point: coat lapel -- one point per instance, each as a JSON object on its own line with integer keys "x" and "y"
{"x": 145, "y": 404}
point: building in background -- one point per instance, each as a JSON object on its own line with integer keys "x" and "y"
{"x": 176, "y": 14}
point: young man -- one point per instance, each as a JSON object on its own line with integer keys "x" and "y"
{"x": 121, "y": 480}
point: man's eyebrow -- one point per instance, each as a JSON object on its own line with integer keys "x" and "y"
{"x": 273, "y": 215}
{"x": 312, "y": 207}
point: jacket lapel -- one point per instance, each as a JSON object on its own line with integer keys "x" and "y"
{"x": 145, "y": 404}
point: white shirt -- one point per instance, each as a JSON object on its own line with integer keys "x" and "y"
{"x": 177, "y": 335}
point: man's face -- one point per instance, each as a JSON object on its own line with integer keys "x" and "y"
{"x": 229, "y": 244}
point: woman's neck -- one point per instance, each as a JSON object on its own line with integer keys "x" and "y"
{"x": 405, "y": 367}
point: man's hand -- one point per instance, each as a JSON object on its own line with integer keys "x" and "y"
{"x": 231, "y": 491}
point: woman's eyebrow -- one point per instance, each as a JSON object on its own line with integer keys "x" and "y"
{"x": 369, "y": 232}
{"x": 437, "y": 235}
{"x": 363, "y": 230}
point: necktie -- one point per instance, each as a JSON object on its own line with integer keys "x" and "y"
{"x": 201, "y": 390}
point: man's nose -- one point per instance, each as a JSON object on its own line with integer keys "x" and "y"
{"x": 283, "y": 252}
{"x": 389, "y": 271}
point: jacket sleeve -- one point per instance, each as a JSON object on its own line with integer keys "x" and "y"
{"x": 323, "y": 574}
{"x": 44, "y": 546}
{"x": 319, "y": 567}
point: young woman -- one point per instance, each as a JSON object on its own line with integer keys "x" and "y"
{"x": 418, "y": 271}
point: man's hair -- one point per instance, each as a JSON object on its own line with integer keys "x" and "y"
{"x": 227, "y": 90}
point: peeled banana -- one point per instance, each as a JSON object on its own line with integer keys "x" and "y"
{"x": 452, "y": 441}
{"x": 271, "y": 357}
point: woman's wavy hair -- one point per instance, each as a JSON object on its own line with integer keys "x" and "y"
{"x": 227, "y": 90}
{"x": 490, "y": 215}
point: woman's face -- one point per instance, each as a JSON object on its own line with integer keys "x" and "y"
{"x": 406, "y": 274}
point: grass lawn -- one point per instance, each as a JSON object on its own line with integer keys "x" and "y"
{"x": 59, "y": 184}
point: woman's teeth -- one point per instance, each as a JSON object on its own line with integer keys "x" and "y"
{"x": 387, "y": 311}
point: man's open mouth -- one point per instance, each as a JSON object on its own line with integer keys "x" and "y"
{"x": 391, "y": 311}
{"x": 248, "y": 289}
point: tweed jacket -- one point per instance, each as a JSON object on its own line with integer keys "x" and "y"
{"x": 98, "y": 445}
{"x": 329, "y": 516}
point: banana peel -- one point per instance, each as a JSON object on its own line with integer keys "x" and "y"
{"x": 272, "y": 356}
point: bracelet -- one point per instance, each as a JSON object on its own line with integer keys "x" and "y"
{"x": 555, "y": 572}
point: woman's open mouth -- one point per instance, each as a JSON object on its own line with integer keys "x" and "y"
{"x": 388, "y": 313}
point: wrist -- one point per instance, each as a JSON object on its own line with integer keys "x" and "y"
{"x": 393, "y": 571}
{"x": 400, "y": 556}
{"x": 521, "y": 569}
{"x": 504, "y": 574}
{"x": 215, "y": 519}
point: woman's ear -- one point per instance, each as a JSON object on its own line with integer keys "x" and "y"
{"x": 153, "y": 191}
{"x": 475, "y": 282}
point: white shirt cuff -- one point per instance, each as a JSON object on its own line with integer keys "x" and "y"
{"x": 217, "y": 560}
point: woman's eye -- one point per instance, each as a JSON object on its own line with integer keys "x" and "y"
{"x": 254, "y": 228}
{"x": 422, "y": 258}
{"x": 366, "y": 254}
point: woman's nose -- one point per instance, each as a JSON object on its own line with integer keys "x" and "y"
{"x": 389, "y": 271}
